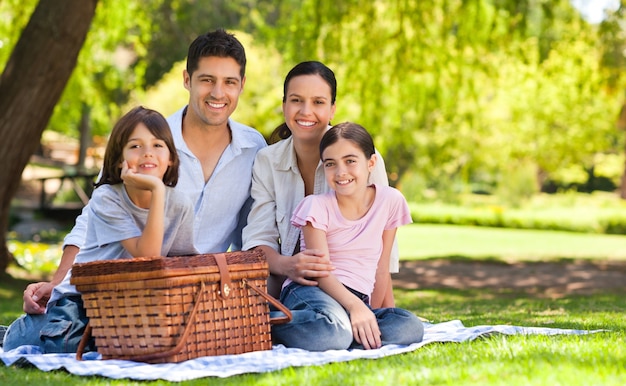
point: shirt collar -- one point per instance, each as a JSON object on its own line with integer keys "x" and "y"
{"x": 240, "y": 133}
{"x": 286, "y": 155}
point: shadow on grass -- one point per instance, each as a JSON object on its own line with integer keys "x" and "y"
{"x": 553, "y": 279}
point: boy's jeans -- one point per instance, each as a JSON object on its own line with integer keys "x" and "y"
{"x": 58, "y": 330}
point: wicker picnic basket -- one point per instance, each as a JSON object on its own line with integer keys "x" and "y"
{"x": 173, "y": 309}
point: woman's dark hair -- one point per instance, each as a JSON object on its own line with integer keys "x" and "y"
{"x": 114, "y": 154}
{"x": 305, "y": 68}
{"x": 216, "y": 43}
{"x": 353, "y": 132}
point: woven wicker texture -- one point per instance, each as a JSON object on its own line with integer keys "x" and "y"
{"x": 142, "y": 307}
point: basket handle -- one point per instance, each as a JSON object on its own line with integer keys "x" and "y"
{"x": 183, "y": 339}
{"x": 278, "y": 320}
{"x": 83, "y": 342}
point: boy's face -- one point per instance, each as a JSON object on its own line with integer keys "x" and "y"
{"x": 214, "y": 89}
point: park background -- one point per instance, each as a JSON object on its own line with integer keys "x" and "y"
{"x": 494, "y": 115}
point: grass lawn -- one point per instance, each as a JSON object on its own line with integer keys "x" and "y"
{"x": 418, "y": 241}
{"x": 598, "y": 359}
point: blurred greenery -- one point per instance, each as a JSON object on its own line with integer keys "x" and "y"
{"x": 506, "y": 97}
{"x": 36, "y": 257}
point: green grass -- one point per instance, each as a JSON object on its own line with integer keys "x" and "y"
{"x": 597, "y": 359}
{"x": 419, "y": 241}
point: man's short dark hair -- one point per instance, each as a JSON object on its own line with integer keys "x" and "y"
{"x": 216, "y": 43}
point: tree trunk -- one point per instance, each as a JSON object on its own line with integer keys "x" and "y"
{"x": 30, "y": 86}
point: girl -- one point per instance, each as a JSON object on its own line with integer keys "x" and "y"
{"x": 134, "y": 211}
{"x": 354, "y": 226}
{"x": 287, "y": 171}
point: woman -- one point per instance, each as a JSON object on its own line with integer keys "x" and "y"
{"x": 287, "y": 171}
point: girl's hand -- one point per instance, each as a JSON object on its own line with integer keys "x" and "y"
{"x": 364, "y": 326}
{"x": 137, "y": 180}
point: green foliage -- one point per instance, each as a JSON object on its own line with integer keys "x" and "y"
{"x": 453, "y": 91}
{"x": 36, "y": 257}
{"x": 517, "y": 184}
{"x": 14, "y": 14}
{"x": 461, "y": 88}
{"x": 111, "y": 63}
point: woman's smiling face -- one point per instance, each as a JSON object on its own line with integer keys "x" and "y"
{"x": 308, "y": 107}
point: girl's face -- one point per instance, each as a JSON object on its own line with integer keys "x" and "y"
{"x": 346, "y": 167}
{"x": 307, "y": 108}
{"x": 145, "y": 153}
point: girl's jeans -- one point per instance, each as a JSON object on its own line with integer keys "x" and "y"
{"x": 320, "y": 323}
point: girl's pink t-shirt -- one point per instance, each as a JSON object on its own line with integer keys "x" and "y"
{"x": 354, "y": 246}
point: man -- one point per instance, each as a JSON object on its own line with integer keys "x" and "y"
{"x": 216, "y": 157}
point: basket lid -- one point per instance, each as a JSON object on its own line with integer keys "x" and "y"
{"x": 141, "y": 268}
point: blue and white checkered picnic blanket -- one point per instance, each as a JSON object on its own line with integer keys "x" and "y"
{"x": 254, "y": 362}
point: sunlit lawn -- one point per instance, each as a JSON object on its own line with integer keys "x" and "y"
{"x": 418, "y": 241}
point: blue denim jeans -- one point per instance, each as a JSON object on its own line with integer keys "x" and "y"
{"x": 24, "y": 331}
{"x": 58, "y": 330}
{"x": 320, "y": 323}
